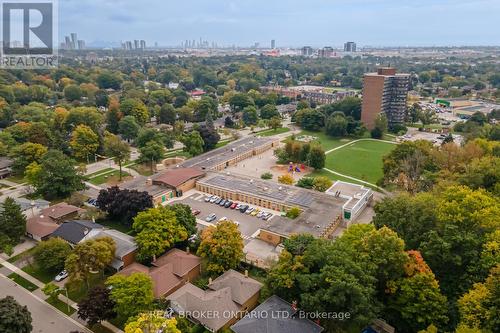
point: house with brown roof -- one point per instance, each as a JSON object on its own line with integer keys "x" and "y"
{"x": 226, "y": 300}
{"x": 169, "y": 272}
{"x": 40, "y": 227}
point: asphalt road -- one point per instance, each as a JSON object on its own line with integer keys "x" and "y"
{"x": 45, "y": 318}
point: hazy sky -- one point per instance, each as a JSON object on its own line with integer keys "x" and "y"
{"x": 290, "y": 22}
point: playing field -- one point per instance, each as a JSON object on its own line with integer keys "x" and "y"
{"x": 362, "y": 160}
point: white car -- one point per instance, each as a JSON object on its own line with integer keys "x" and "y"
{"x": 214, "y": 198}
{"x": 61, "y": 276}
{"x": 249, "y": 210}
{"x": 207, "y": 199}
{"x": 260, "y": 214}
{"x": 222, "y": 219}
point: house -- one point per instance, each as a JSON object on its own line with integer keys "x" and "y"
{"x": 125, "y": 246}
{"x": 31, "y": 207}
{"x": 226, "y": 299}
{"x": 41, "y": 226}
{"x": 275, "y": 315}
{"x": 5, "y": 167}
{"x": 169, "y": 272}
{"x": 74, "y": 231}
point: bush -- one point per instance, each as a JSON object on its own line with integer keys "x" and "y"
{"x": 266, "y": 175}
{"x": 286, "y": 179}
{"x": 322, "y": 183}
{"x": 293, "y": 212}
{"x": 306, "y": 182}
{"x": 376, "y": 133}
{"x": 51, "y": 254}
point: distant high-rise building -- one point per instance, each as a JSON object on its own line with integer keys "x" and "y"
{"x": 136, "y": 44}
{"x": 384, "y": 92}
{"x": 67, "y": 42}
{"x": 273, "y": 44}
{"x": 74, "y": 43}
{"x": 128, "y": 45}
{"x": 349, "y": 47}
{"x": 143, "y": 44}
{"x": 307, "y": 51}
{"x": 326, "y": 52}
{"x": 81, "y": 44}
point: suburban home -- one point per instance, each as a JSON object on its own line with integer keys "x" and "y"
{"x": 5, "y": 167}
{"x": 40, "y": 227}
{"x": 275, "y": 315}
{"x": 126, "y": 247}
{"x": 169, "y": 272}
{"x": 74, "y": 231}
{"x": 227, "y": 298}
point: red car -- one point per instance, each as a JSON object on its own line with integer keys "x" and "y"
{"x": 233, "y": 206}
{"x": 195, "y": 212}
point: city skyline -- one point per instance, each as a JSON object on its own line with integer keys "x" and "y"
{"x": 291, "y": 24}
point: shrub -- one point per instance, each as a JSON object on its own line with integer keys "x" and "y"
{"x": 306, "y": 182}
{"x": 266, "y": 175}
{"x": 293, "y": 212}
{"x": 322, "y": 183}
{"x": 286, "y": 179}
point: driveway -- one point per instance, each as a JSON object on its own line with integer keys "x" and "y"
{"x": 46, "y": 319}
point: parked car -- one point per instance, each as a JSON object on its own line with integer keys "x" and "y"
{"x": 238, "y": 206}
{"x": 207, "y": 199}
{"x": 211, "y": 217}
{"x": 214, "y": 198}
{"x": 222, "y": 219}
{"x": 195, "y": 212}
{"x": 255, "y": 212}
{"x": 218, "y": 201}
{"x": 234, "y": 205}
{"x": 249, "y": 210}
{"x": 228, "y": 204}
{"x": 61, "y": 276}
{"x": 243, "y": 208}
{"x": 192, "y": 238}
{"x": 260, "y": 214}
{"x": 268, "y": 216}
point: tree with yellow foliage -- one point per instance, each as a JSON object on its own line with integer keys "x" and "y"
{"x": 152, "y": 322}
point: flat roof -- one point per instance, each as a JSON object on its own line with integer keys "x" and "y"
{"x": 354, "y": 191}
{"x": 140, "y": 184}
{"x": 319, "y": 210}
{"x": 220, "y": 155}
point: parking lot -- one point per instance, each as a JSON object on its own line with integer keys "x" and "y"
{"x": 248, "y": 224}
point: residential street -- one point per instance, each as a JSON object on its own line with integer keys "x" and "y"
{"x": 45, "y": 318}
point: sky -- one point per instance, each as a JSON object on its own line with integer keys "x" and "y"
{"x": 290, "y": 22}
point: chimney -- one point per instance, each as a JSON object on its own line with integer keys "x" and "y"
{"x": 209, "y": 280}
{"x": 246, "y": 273}
{"x": 187, "y": 250}
{"x": 149, "y": 182}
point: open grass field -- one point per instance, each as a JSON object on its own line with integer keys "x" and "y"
{"x": 107, "y": 177}
{"x": 271, "y": 132}
{"x": 362, "y": 160}
{"x": 327, "y": 142}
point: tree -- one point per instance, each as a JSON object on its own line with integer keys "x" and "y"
{"x": 380, "y": 127}
{"x": 51, "y": 290}
{"x": 97, "y": 306}
{"x": 152, "y": 322}
{"x": 316, "y": 158}
{"x": 336, "y": 125}
{"x": 12, "y": 222}
{"x": 116, "y": 149}
{"x": 427, "y": 117}
{"x": 167, "y": 114}
{"x": 51, "y": 254}
{"x": 14, "y": 318}
{"x": 250, "y": 115}
{"x": 210, "y": 137}
{"x": 222, "y": 246}
{"x": 269, "y": 111}
{"x": 274, "y": 123}
{"x": 108, "y": 80}
{"x": 123, "y": 205}
{"x": 128, "y": 127}
{"x": 57, "y": 176}
{"x": 309, "y": 119}
{"x": 185, "y": 217}
{"x": 89, "y": 257}
{"x": 157, "y": 230}
{"x": 84, "y": 142}
{"x": 193, "y": 143}
{"x": 72, "y": 92}
{"x": 136, "y": 108}
{"x": 239, "y": 101}
{"x": 132, "y": 294}
{"x": 84, "y": 116}
{"x": 26, "y": 154}
{"x": 286, "y": 179}
{"x": 322, "y": 183}
{"x": 152, "y": 152}
{"x": 293, "y": 212}
{"x": 113, "y": 116}
{"x": 306, "y": 182}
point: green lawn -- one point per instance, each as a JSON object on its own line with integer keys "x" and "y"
{"x": 327, "y": 142}
{"x": 107, "y": 177}
{"x": 179, "y": 153}
{"x": 222, "y": 143}
{"x": 61, "y": 306}
{"x": 98, "y": 328}
{"x": 271, "y": 132}
{"x": 77, "y": 291}
{"x": 22, "y": 282}
{"x": 22, "y": 255}
{"x": 141, "y": 168}
{"x": 92, "y": 175}
{"x": 334, "y": 177}
{"x": 361, "y": 160}
{"x": 16, "y": 179}
{"x": 38, "y": 273}
{"x": 115, "y": 225}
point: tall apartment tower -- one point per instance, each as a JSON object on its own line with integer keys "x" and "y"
{"x": 143, "y": 44}
{"x": 349, "y": 47}
{"x": 74, "y": 43}
{"x": 273, "y": 44}
{"x": 306, "y": 51}
{"x": 384, "y": 92}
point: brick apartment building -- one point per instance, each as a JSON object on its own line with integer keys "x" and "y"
{"x": 385, "y": 92}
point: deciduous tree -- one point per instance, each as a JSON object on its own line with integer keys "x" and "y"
{"x": 51, "y": 254}
{"x": 14, "y": 318}
{"x": 97, "y": 306}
